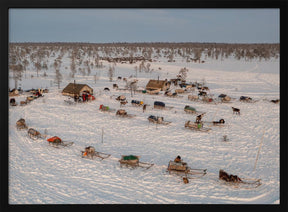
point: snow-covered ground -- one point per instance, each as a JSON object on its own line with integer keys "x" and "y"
{"x": 41, "y": 174}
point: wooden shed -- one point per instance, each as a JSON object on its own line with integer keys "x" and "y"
{"x": 158, "y": 84}
{"x": 73, "y": 89}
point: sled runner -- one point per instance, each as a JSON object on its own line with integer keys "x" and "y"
{"x": 55, "y": 141}
{"x": 133, "y": 162}
{"x": 182, "y": 169}
{"x": 90, "y": 152}
{"x": 245, "y": 184}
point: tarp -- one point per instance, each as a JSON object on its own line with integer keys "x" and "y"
{"x": 245, "y": 98}
{"x": 91, "y": 97}
{"x": 153, "y": 117}
{"x": 222, "y": 95}
{"x": 53, "y": 139}
{"x": 159, "y": 103}
{"x": 187, "y": 107}
{"x": 130, "y": 157}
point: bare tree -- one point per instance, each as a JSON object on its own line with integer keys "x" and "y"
{"x": 58, "y": 78}
{"x": 111, "y": 71}
{"x": 17, "y": 73}
{"x": 183, "y": 73}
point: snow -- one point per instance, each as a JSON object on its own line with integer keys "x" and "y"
{"x": 41, "y": 174}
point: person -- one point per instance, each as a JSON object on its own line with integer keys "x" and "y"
{"x": 89, "y": 151}
{"x": 198, "y": 118}
{"x": 76, "y": 98}
{"x": 144, "y": 107}
{"x": 84, "y": 97}
{"x": 178, "y": 159}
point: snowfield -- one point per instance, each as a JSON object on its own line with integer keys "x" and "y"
{"x": 41, "y": 174}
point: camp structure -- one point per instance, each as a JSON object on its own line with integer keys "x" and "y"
{"x": 74, "y": 89}
{"x": 161, "y": 85}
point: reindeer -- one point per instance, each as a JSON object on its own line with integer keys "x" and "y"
{"x": 236, "y": 110}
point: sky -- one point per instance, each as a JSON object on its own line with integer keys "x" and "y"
{"x": 145, "y": 25}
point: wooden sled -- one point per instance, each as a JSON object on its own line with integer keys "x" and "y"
{"x": 21, "y": 124}
{"x": 91, "y": 153}
{"x": 58, "y": 142}
{"x": 196, "y": 126}
{"x": 246, "y": 183}
{"x": 132, "y": 161}
{"x": 158, "y": 120}
{"x": 182, "y": 169}
{"x": 104, "y": 108}
{"x": 34, "y": 134}
{"x": 123, "y": 113}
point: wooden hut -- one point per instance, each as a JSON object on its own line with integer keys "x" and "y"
{"x": 73, "y": 89}
{"x": 163, "y": 85}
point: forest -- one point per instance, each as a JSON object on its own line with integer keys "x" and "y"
{"x": 87, "y": 56}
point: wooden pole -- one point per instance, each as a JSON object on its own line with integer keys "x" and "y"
{"x": 102, "y": 134}
{"x": 259, "y": 150}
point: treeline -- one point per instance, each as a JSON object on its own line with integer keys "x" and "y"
{"x": 157, "y": 49}
{"x": 86, "y": 56}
